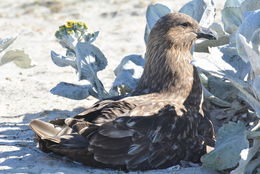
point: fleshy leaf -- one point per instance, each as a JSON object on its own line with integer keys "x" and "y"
{"x": 256, "y": 86}
{"x": 248, "y": 40}
{"x": 233, "y": 11}
{"x": 91, "y": 37}
{"x": 68, "y": 41}
{"x": 89, "y": 61}
{"x": 4, "y": 43}
{"x": 231, "y": 140}
{"x": 246, "y": 94}
{"x": 214, "y": 99}
{"x": 195, "y": 170}
{"x": 19, "y": 57}
{"x": 128, "y": 72}
{"x": 223, "y": 39}
{"x": 232, "y": 15}
{"x": 153, "y": 13}
{"x": 201, "y": 10}
{"x": 245, "y": 165}
{"x": 62, "y": 61}
{"x": 222, "y": 61}
{"x": 250, "y": 5}
{"x": 81, "y": 54}
{"x": 72, "y": 91}
{"x": 212, "y": 62}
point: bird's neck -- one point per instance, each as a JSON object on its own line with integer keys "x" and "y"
{"x": 169, "y": 74}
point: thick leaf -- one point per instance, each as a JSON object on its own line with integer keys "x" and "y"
{"x": 201, "y": 10}
{"x": 223, "y": 39}
{"x": 208, "y": 15}
{"x": 206, "y": 44}
{"x": 19, "y": 57}
{"x": 4, "y": 43}
{"x": 153, "y": 13}
{"x": 233, "y": 11}
{"x": 231, "y": 140}
{"x": 256, "y": 86}
{"x": 89, "y": 61}
{"x": 245, "y": 165}
{"x": 250, "y": 5}
{"x": 230, "y": 56}
{"x": 222, "y": 89}
{"x": 248, "y": 40}
{"x": 227, "y": 64}
{"x": 217, "y": 101}
{"x": 232, "y": 15}
{"x": 212, "y": 62}
{"x": 218, "y": 91}
{"x": 91, "y": 37}
{"x": 127, "y": 74}
{"x": 246, "y": 94}
{"x": 222, "y": 61}
{"x": 175, "y": 170}
{"x": 62, "y": 61}
{"x": 195, "y": 170}
{"x": 86, "y": 58}
{"x": 72, "y": 91}
{"x": 68, "y": 41}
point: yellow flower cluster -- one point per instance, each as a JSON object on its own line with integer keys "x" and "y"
{"x": 75, "y": 24}
{"x": 71, "y": 26}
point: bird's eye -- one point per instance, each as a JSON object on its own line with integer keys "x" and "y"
{"x": 185, "y": 24}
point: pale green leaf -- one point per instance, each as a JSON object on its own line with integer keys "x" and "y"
{"x": 4, "y": 43}
{"x": 153, "y": 13}
{"x": 72, "y": 91}
{"x": 245, "y": 165}
{"x": 231, "y": 140}
{"x": 19, "y": 57}
{"x": 128, "y": 73}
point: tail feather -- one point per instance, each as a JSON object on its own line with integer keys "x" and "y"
{"x": 45, "y": 130}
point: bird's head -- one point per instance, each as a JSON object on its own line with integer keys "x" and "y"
{"x": 179, "y": 30}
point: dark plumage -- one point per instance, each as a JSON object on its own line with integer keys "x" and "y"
{"x": 159, "y": 125}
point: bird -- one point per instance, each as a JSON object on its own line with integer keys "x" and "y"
{"x": 158, "y": 125}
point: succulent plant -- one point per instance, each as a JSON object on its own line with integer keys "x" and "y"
{"x": 231, "y": 66}
{"x": 18, "y": 57}
{"x": 237, "y": 63}
{"x": 83, "y": 56}
{"x": 127, "y": 74}
{"x": 229, "y": 71}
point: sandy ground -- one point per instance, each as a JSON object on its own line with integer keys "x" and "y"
{"x": 24, "y": 93}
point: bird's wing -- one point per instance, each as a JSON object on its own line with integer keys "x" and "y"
{"x": 101, "y": 112}
{"x": 140, "y": 142}
{"x": 106, "y": 111}
{"x": 136, "y": 143}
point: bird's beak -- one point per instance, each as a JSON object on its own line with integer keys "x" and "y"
{"x": 207, "y": 34}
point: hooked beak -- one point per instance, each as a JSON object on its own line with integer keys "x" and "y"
{"x": 207, "y": 34}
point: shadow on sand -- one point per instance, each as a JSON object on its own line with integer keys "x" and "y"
{"x": 18, "y": 151}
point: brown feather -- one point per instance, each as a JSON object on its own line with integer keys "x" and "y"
{"x": 157, "y": 126}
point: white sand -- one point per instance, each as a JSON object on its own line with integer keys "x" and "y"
{"x": 25, "y": 92}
